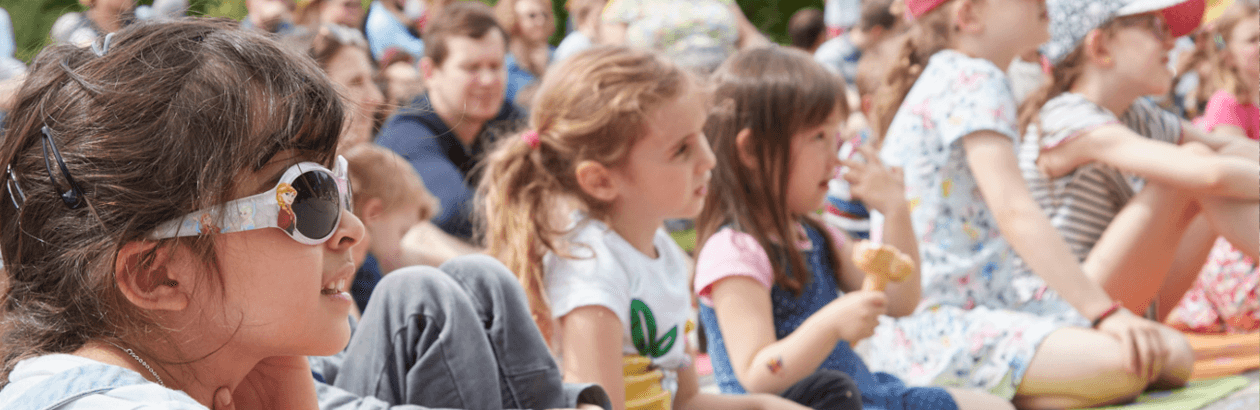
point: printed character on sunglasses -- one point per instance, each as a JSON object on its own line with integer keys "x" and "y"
{"x": 285, "y": 194}
{"x": 182, "y": 238}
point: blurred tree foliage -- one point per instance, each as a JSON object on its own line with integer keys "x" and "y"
{"x": 32, "y": 19}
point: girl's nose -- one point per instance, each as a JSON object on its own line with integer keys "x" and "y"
{"x": 348, "y": 233}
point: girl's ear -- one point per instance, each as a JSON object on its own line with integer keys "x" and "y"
{"x": 967, "y": 18}
{"x": 163, "y": 285}
{"x": 1097, "y": 50}
{"x": 745, "y": 150}
{"x": 596, "y": 180}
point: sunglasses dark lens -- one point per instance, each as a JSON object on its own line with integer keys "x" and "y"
{"x": 316, "y": 208}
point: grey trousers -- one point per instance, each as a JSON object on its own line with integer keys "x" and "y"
{"x": 459, "y": 336}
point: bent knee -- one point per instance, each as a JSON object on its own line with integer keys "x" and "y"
{"x": 1198, "y": 148}
{"x": 486, "y": 268}
{"x": 1180, "y": 362}
{"x": 414, "y": 281}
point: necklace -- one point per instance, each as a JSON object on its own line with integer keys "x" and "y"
{"x": 142, "y": 363}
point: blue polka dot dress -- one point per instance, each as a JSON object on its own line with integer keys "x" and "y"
{"x": 879, "y": 390}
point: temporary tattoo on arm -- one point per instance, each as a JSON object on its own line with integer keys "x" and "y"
{"x": 775, "y": 365}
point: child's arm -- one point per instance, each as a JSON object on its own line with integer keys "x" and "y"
{"x": 1226, "y": 139}
{"x": 885, "y": 191}
{"x": 991, "y": 157}
{"x": 764, "y": 364}
{"x": 1118, "y": 146}
{"x": 590, "y": 340}
{"x": 689, "y": 397}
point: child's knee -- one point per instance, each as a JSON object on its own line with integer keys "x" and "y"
{"x": 1180, "y": 360}
{"x": 1197, "y": 148}
{"x": 480, "y": 271}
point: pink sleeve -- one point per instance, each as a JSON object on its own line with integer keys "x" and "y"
{"x": 1222, "y": 108}
{"x": 730, "y": 253}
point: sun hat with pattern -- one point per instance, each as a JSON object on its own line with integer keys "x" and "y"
{"x": 1072, "y": 20}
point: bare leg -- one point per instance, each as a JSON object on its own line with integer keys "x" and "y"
{"x": 978, "y": 400}
{"x": 1236, "y": 221}
{"x": 1078, "y": 367}
{"x": 1133, "y": 256}
{"x": 1187, "y": 263}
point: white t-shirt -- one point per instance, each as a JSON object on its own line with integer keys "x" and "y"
{"x": 30, "y": 373}
{"x": 650, "y": 293}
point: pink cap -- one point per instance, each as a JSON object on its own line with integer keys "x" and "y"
{"x": 920, "y": 7}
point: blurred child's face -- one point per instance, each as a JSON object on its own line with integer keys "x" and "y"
{"x": 387, "y": 232}
{"x": 1244, "y": 50}
{"x": 111, "y": 7}
{"x": 1139, "y": 48}
{"x": 668, "y": 170}
{"x": 274, "y": 286}
{"x": 534, "y": 20}
{"x": 813, "y": 165}
{"x": 348, "y": 13}
{"x": 1015, "y": 25}
{"x": 351, "y": 69}
{"x": 402, "y": 82}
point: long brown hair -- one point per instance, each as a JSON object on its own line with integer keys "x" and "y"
{"x": 931, "y": 32}
{"x": 595, "y": 111}
{"x": 1225, "y": 72}
{"x": 775, "y": 93}
{"x": 160, "y": 124}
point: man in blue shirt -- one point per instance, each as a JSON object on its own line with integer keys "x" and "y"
{"x": 445, "y": 132}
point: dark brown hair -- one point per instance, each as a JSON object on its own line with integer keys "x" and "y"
{"x": 876, "y": 13}
{"x": 804, "y": 28}
{"x": 775, "y": 93}
{"x": 470, "y": 19}
{"x": 596, "y": 111}
{"x": 930, "y": 33}
{"x": 160, "y": 125}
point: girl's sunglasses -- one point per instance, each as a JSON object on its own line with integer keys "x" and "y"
{"x": 307, "y": 204}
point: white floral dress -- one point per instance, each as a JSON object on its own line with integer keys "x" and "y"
{"x": 983, "y": 313}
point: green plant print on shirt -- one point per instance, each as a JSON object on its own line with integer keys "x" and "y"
{"x": 643, "y": 331}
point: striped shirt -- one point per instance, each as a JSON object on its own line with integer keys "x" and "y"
{"x": 1083, "y": 202}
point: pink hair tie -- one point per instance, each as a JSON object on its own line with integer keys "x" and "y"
{"x": 531, "y": 137}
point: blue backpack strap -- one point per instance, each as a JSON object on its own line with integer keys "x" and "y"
{"x": 70, "y": 385}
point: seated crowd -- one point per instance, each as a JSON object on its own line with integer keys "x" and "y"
{"x": 939, "y": 204}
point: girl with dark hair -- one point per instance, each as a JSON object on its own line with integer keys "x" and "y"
{"x": 782, "y": 299}
{"x": 176, "y": 231}
{"x": 116, "y": 152}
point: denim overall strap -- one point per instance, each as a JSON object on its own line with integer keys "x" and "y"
{"x": 70, "y": 385}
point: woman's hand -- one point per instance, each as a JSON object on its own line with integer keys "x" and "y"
{"x": 880, "y": 187}
{"x": 1141, "y": 340}
{"x": 279, "y": 382}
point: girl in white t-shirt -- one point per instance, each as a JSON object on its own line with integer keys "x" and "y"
{"x": 575, "y": 206}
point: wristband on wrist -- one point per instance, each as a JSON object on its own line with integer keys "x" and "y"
{"x": 1115, "y": 306}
